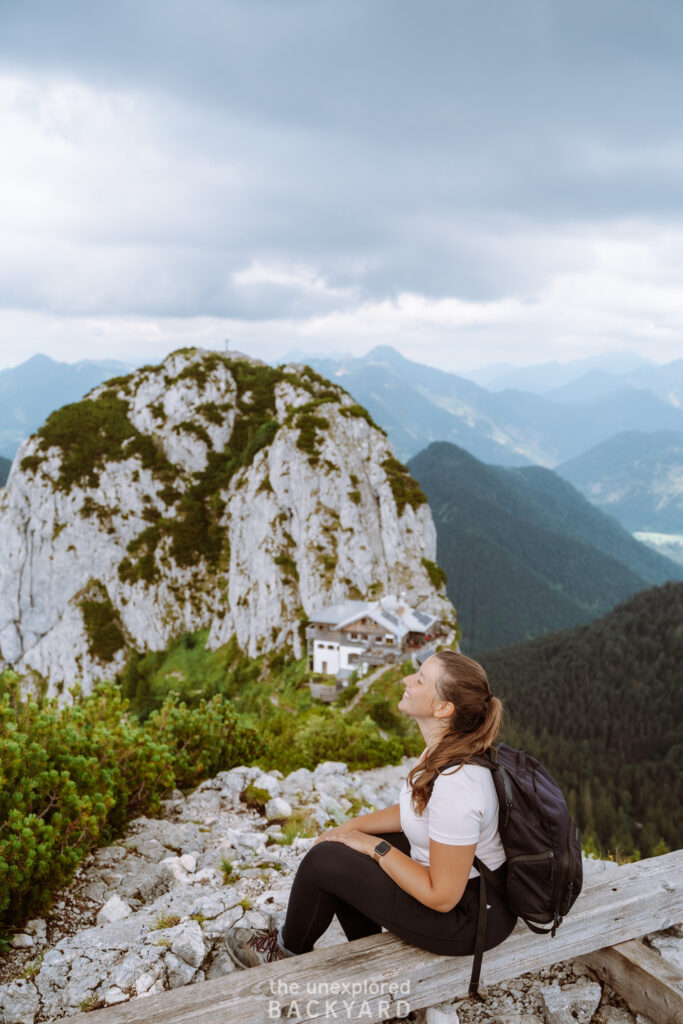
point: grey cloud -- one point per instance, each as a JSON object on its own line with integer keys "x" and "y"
{"x": 390, "y": 145}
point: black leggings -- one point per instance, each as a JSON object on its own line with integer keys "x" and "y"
{"x": 335, "y": 879}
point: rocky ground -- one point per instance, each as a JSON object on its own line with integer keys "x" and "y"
{"x": 150, "y": 911}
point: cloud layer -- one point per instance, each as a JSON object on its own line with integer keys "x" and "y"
{"x": 467, "y": 182}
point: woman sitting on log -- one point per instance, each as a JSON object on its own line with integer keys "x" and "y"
{"x": 409, "y": 868}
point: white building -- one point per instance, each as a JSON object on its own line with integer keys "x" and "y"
{"x": 353, "y": 635}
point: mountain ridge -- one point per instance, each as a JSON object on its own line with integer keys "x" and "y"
{"x": 418, "y": 404}
{"x": 524, "y": 552}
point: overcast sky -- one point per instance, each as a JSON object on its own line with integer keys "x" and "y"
{"x": 470, "y": 182}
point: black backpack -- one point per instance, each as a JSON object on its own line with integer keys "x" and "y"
{"x": 541, "y": 842}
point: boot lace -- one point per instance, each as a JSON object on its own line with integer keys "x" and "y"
{"x": 267, "y": 943}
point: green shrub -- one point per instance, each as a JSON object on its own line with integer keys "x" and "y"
{"x": 347, "y": 695}
{"x": 406, "y": 491}
{"x": 436, "y": 574}
{"x": 102, "y": 624}
{"x": 93, "y": 433}
{"x": 203, "y": 740}
{"x": 358, "y": 410}
{"x": 72, "y": 777}
{"x": 255, "y": 797}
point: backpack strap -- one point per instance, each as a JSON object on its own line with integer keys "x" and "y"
{"x": 485, "y": 875}
{"x": 480, "y": 938}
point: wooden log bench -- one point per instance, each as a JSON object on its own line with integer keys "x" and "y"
{"x": 381, "y": 977}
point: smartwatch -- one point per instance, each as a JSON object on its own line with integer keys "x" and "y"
{"x": 381, "y": 849}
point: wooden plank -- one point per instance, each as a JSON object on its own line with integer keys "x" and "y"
{"x": 649, "y": 984}
{"x": 613, "y": 908}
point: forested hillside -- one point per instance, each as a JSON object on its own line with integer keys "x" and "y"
{"x": 524, "y": 552}
{"x": 602, "y": 707}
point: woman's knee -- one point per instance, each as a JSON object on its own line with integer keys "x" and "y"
{"x": 324, "y": 859}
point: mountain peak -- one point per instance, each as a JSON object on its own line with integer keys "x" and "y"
{"x": 209, "y": 492}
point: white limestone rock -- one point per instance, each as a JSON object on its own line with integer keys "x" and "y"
{"x": 145, "y": 981}
{"x": 37, "y": 927}
{"x": 573, "y": 1003}
{"x": 328, "y": 768}
{"x": 615, "y": 1015}
{"x": 179, "y": 972}
{"x": 221, "y": 966}
{"x": 154, "y": 990}
{"x": 267, "y": 782}
{"x": 444, "y": 1013}
{"x": 278, "y": 808}
{"x": 114, "y": 995}
{"x": 19, "y": 1002}
{"x": 22, "y": 941}
{"x": 115, "y": 909}
{"x": 670, "y": 948}
{"x": 64, "y": 541}
{"x": 244, "y": 841}
{"x": 187, "y": 942}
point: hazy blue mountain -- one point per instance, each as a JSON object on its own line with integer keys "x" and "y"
{"x": 636, "y": 477}
{"x": 543, "y": 376}
{"x": 525, "y": 553}
{"x": 665, "y": 381}
{"x": 31, "y": 391}
{"x": 5, "y": 466}
{"x": 418, "y": 404}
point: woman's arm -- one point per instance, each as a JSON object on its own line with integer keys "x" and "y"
{"x": 373, "y": 823}
{"x": 440, "y": 886}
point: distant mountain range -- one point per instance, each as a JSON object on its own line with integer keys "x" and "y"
{"x": 592, "y": 411}
{"x": 542, "y": 377}
{"x": 5, "y": 466}
{"x": 418, "y": 404}
{"x": 637, "y": 478}
{"x": 525, "y": 553}
{"x": 31, "y": 391}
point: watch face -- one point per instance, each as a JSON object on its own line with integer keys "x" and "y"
{"x": 383, "y": 848}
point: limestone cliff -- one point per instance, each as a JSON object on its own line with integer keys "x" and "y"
{"x": 209, "y": 491}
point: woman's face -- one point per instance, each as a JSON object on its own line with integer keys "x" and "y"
{"x": 419, "y": 695}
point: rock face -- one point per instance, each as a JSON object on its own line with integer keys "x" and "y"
{"x": 208, "y": 492}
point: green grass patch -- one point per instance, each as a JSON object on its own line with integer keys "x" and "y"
{"x": 164, "y": 921}
{"x": 229, "y": 871}
{"x": 300, "y": 824}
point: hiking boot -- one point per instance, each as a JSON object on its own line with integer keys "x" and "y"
{"x": 250, "y": 947}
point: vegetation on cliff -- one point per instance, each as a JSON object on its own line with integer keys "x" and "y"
{"x": 96, "y": 432}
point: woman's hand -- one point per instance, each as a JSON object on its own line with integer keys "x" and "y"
{"x": 352, "y": 837}
{"x": 332, "y": 833}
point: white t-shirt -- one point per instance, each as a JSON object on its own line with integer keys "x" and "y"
{"x": 462, "y": 809}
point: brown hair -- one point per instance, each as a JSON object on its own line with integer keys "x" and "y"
{"x": 472, "y": 728}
